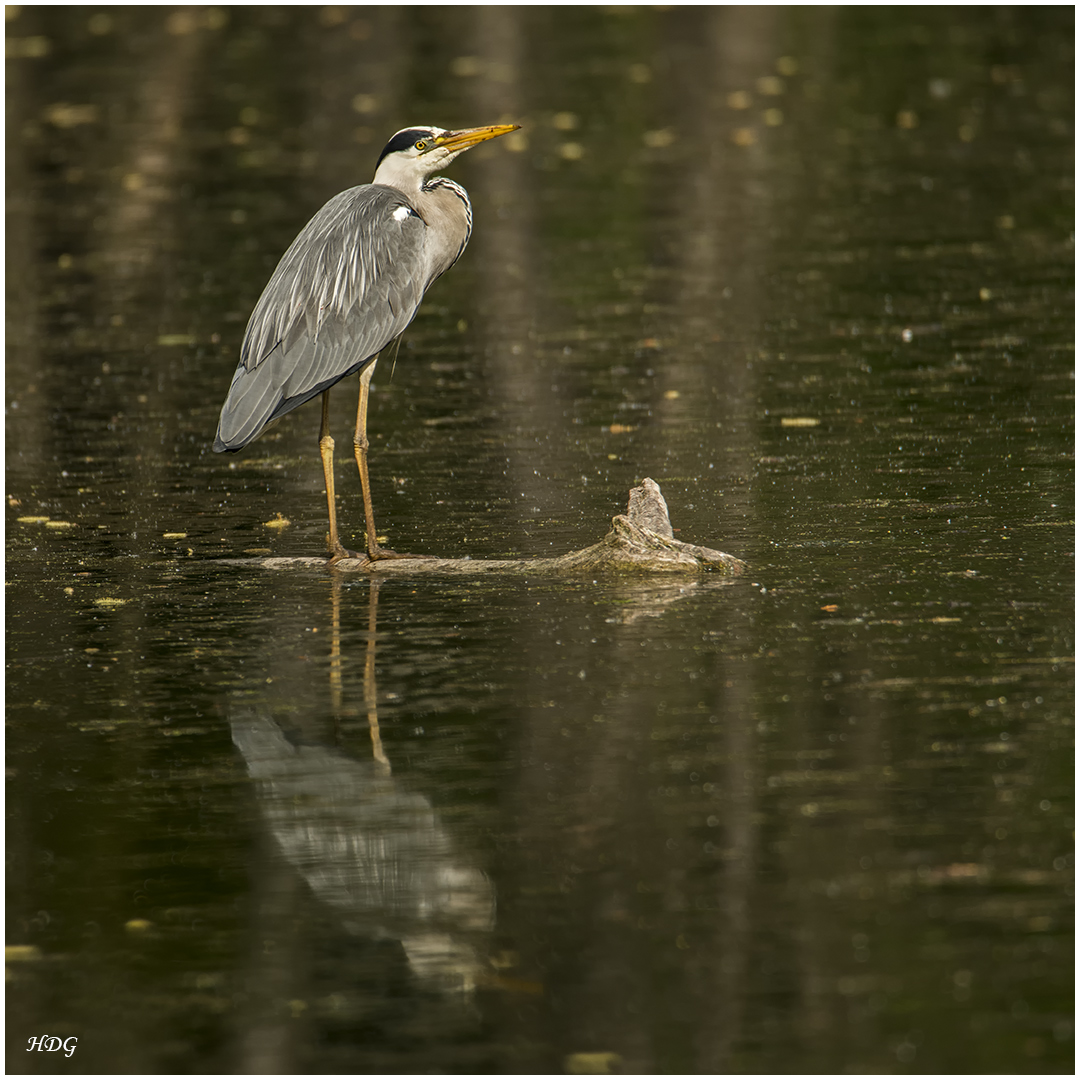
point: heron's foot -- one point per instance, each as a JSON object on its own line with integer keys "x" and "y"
{"x": 337, "y": 553}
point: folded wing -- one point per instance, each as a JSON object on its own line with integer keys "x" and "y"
{"x": 348, "y": 285}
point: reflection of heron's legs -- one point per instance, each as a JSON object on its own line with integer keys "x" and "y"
{"x": 326, "y": 452}
{"x": 371, "y": 697}
{"x": 335, "y": 646}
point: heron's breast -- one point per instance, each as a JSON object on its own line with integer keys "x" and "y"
{"x": 448, "y": 221}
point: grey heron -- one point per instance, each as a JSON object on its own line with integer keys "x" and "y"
{"x": 350, "y": 284}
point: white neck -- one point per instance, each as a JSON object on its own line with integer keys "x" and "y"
{"x": 408, "y": 174}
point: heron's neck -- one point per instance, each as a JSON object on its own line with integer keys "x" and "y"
{"x": 397, "y": 174}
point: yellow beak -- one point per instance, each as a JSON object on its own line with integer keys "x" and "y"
{"x": 456, "y": 141}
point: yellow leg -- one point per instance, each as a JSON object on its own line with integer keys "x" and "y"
{"x": 326, "y": 452}
{"x": 360, "y": 449}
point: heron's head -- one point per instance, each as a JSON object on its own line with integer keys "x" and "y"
{"x": 414, "y": 153}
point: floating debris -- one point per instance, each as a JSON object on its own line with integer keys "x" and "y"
{"x": 603, "y": 1062}
{"x": 21, "y": 953}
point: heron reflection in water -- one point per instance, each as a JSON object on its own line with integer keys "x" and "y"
{"x": 366, "y": 845}
{"x": 348, "y": 286}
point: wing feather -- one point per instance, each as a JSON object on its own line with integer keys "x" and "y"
{"x": 347, "y": 286}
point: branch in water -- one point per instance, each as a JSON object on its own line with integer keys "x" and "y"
{"x": 641, "y": 541}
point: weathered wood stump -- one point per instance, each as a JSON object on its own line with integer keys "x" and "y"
{"x": 641, "y": 541}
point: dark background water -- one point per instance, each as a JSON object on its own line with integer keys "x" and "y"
{"x": 811, "y": 270}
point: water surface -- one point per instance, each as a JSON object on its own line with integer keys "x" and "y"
{"x": 809, "y": 270}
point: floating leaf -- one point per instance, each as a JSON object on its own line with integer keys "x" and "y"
{"x": 15, "y": 953}
{"x": 602, "y": 1062}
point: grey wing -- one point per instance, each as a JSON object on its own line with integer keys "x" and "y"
{"x": 348, "y": 285}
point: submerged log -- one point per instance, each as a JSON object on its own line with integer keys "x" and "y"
{"x": 641, "y": 541}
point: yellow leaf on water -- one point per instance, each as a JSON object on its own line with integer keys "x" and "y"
{"x": 174, "y": 536}
{"x": 110, "y": 602}
{"x": 15, "y": 953}
{"x": 799, "y": 421}
{"x": 602, "y": 1062}
{"x": 278, "y": 522}
{"x": 33, "y": 520}
{"x": 59, "y": 524}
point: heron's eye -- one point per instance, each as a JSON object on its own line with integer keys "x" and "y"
{"x": 421, "y": 145}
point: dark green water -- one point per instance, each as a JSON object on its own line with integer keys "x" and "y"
{"x": 812, "y": 271}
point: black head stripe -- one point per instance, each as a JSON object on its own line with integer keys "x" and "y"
{"x": 403, "y": 140}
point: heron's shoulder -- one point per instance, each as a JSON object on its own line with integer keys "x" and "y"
{"x": 365, "y": 199}
{"x": 358, "y": 215}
